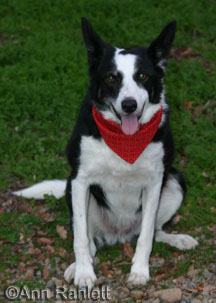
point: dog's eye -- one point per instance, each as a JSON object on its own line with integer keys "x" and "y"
{"x": 142, "y": 77}
{"x": 110, "y": 79}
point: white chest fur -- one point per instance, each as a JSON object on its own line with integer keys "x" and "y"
{"x": 122, "y": 182}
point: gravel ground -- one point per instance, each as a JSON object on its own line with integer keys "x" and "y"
{"x": 198, "y": 284}
{"x": 195, "y": 287}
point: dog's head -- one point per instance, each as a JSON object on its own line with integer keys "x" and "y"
{"x": 126, "y": 85}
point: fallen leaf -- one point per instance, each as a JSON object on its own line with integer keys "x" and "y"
{"x": 188, "y": 52}
{"x": 61, "y": 231}
{"x": 105, "y": 269}
{"x": 213, "y": 210}
{"x": 51, "y": 249}
{"x": 137, "y": 294}
{"x": 25, "y": 208}
{"x": 31, "y": 249}
{"x": 183, "y": 53}
{"x": 199, "y": 287}
{"x": 46, "y": 273}
{"x": 183, "y": 161}
{"x": 212, "y": 228}
{"x": 37, "y": 252}
{"x": 204, "y": 174}
{"x": 44, "y": 241}
{"x": 23, "y": 258}
{"x": 62, "y": 252}
{"x": 29, "y": 274}
{"x": 160, "y": 277}
{"x": 21, "y": 239}
{"x": 41, "y": 233}
{"x": 198, "y": 109}
{"x": 188, "y": 105}
{"x": 176, "y": 219}
{"x": 49, "y": 217}
{"x": 127, "y": 249}
{"x": 166, "y": 268}
{"x": 21, "y": 266}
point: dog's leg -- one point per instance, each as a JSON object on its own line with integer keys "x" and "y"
{"x": 171, "y": 199}
{"x": 140, "y": 269}
{"x": 92, "y": 217}
{"x": 82, "y": 269}
{"x": 70, "y": 271}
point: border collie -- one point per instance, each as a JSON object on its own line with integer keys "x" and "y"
{"x": 122, "y": 184}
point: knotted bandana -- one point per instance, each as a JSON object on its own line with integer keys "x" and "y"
{"x": 128, "y": 147}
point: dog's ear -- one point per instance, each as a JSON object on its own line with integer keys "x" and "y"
{"x": 94, "y": 44}
{"x": 159, "y": 49}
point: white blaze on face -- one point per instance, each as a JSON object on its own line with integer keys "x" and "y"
{"x": 126, "y": 66}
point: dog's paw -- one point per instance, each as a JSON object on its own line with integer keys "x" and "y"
{"x": 69, "y": 273}
{"x": 183, "y": 242}
{"x": 137, "y": 278}
{"x": 84, "y": 276}
{"x": 139, "y": 275}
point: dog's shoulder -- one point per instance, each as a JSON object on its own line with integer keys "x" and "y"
{"x": 164, "y": 135}
{"x": 85, "y": 126}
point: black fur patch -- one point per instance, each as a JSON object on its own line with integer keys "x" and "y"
{"x": 99, "y": 195}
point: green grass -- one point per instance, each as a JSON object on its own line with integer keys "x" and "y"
{"x": 43, "y": 78}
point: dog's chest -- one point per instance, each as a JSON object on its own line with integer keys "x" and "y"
{"x": 122, "y": 182}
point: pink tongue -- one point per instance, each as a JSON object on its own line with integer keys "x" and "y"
{"x": 129, "y": 124}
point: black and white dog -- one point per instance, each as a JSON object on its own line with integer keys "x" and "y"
{"x": 111, "y": 198}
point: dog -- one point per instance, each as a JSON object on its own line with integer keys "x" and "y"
{"x": 122, "y": 184}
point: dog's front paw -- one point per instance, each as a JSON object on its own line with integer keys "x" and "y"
{"x": 139, "y": 274}
{"x": 84, "y": 275}
{"x": 69, "y": 273}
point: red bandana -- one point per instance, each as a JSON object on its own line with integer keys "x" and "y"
{"x": 128, "y": 147}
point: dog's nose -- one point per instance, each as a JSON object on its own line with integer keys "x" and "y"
{"x": 129, "y": 105}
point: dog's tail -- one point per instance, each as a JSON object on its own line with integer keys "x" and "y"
{"x": 54, "y": 188}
